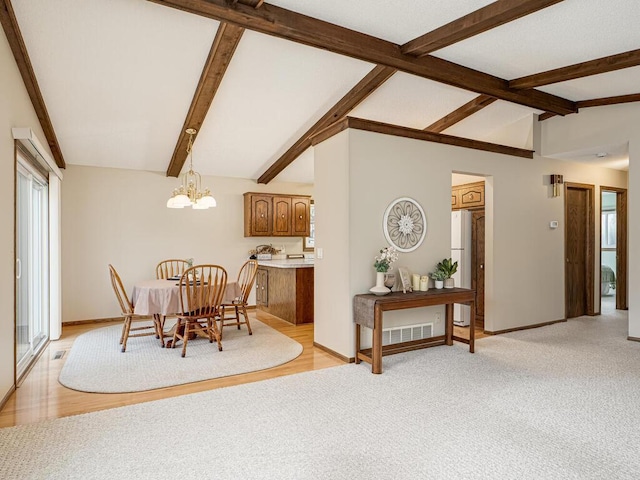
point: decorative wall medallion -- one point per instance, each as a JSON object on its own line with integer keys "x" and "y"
{"x": 405, "y": 224}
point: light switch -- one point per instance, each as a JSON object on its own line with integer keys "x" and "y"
{"x": 319, "y": 253}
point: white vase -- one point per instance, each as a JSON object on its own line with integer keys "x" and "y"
{"x": 439, "y": 283}
{"x": 379, "y": 288}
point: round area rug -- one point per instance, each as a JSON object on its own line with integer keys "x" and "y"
{"x": 95, "y": 363}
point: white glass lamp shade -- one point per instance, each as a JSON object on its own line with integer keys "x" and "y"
{"x": 171, "y": 203}
{"x": 181, "y": 201}
{"x": 208, "y": 200}
{"x": 199, "y": 206}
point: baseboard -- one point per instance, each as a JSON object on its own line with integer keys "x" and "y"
{"x": 7, "y": 396}
{"x": 93, "y": 320}
{"x": 633, "y": 339}
{"x": 334, "y": 353}
{"x": 116, "y": 319}
{"x": 526, "y": 327}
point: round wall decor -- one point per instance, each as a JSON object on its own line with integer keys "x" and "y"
{"x": 405, "y": 224}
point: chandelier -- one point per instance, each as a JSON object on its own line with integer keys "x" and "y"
{"x": 189, "y": 194}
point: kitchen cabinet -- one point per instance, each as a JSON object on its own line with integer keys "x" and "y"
{"x": 276, "y": 215}
{"x": 285, "y": 290}
{"x": 468, "y": 196}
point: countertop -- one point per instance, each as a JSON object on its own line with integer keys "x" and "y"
{"x": 287, "y": 263}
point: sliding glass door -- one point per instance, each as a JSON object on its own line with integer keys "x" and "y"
{"x": 32, "y": 264}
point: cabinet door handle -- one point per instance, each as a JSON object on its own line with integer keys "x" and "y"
{"x": 300, "y": 216}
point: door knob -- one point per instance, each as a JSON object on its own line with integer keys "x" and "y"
{"x": 482, "y": 266}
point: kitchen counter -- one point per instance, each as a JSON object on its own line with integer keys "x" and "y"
{"x": 288, "y": 263}
{"x": 284, "y": 288}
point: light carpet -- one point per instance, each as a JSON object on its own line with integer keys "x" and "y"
{"x": 558, "y": 402}
{"x": 96, "y": 364}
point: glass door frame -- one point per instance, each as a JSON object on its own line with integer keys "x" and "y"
{"x": 37, "y": 271}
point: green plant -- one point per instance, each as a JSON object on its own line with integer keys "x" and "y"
{"x": 444, "y": 269}
{"x": 448, "y": 267}
{"x": 438, "y": 275}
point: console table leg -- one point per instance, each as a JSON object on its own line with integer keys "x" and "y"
{"x": 376, "y": 349}
{"x": 472, "y": 327}
{"x": 357, "y": 342}
{"x": 449, "y": 325}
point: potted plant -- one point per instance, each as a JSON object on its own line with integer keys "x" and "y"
{"x": 448, "y": 267}
{"x": 438, "y": 276}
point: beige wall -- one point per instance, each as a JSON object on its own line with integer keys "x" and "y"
{"x": 524, "y": 257}
{"x": 600, "y": 127}
{"x": 15, "y": 111}
{"x": 119, "y": 217}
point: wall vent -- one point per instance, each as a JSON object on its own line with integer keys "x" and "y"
{"x": 58, "y": 355}
{"x": 406, "y": 333}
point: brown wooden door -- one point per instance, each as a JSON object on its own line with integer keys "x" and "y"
{"x": 477, "y": 263}
{"x": 282, "y": 216}
{"x": 578, "y": 252}
{"x": 262, "y": 287}
{"x": 260, "y": 215}
{"x": 300, "y": 221}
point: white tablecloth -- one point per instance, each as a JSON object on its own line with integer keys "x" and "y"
{"x": 162, "y": 296}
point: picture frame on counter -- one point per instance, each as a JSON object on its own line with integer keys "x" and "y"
{"x": 405, "y": 279}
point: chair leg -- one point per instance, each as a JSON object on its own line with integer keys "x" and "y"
{"x": 176, "y": 329}
{"x": 246, "y": 319}
{"x": 185, "y": 337}
{"x": 125, "y": 335}
{"x": 217, "y": 334}
{"x": 237, "y": 316}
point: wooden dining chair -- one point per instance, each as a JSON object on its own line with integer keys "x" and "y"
{"x": 127, "y": 312}
{"x": 201, "y": 291}
{"x": 170, "y": 268}
{"x": 246, "y": 278}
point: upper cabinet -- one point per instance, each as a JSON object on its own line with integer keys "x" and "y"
{"x": 276, "y": 215}
{"x": 467, "y": 196}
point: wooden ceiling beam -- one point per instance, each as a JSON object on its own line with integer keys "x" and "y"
{"x": 599, "y": 102}
{"x": 493, "y": 15}
{"x": 222, "y": 50}
{"x": 353, "y": 98}
{"x": 388, "y": 129}
{"x": 579, "y": 70}
{"x": 461, "y": 113}
{"x": 19, "y": 50}
{"x": 272, "y": 20}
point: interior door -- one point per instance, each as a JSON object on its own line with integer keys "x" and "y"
{"x": 477, "y": 263}
{"x": 578, "y": 250}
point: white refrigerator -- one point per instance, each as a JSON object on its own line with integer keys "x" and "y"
{"x": 461, "y": 253}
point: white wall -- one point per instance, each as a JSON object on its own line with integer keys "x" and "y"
{"x": 597, "y": 127}
{"x": 120, "y": 217}
{"x": 15, "y": 111}
{"x": 524, "y": 258}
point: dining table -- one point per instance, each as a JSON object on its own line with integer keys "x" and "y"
{"x": 161, "y": 298}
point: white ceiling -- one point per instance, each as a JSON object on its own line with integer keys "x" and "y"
{"x": 118, "y": 76}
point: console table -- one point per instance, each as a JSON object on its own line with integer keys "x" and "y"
{"x": 368, "y": 310}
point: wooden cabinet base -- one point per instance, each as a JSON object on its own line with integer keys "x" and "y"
{"x": 290, "y": 294}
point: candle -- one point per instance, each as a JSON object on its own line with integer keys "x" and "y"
{"x": 416, "y": 282}
{"x": 424, "y": 283}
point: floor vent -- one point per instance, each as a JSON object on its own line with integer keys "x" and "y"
{"x": 58, "y": 355}
{"x": 406, "y": 333}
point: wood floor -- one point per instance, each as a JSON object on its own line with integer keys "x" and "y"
{"x": 41, "y": 397}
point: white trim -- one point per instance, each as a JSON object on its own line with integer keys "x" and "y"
{"x": 29, "y": 139}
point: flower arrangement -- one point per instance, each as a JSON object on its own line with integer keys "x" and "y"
{"x": 387, "y": 256}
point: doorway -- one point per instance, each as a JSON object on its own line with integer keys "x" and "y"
{"x": 468, "y": 199}
{"x": 579, "y": 249}
{"x": 613, "y": 249}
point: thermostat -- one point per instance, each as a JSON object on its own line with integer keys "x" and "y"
{"x": 553, "y": 224}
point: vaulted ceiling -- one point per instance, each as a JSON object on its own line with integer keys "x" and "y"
{"x": 120, "y": 80}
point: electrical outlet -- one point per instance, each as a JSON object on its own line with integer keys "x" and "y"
{"x": 438, "y": 319}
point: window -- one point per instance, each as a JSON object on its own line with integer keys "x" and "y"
{"x": 609, "y": 230}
